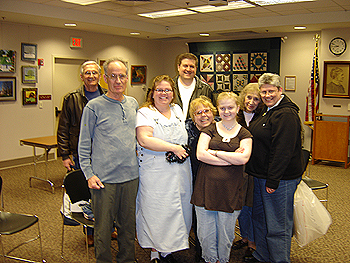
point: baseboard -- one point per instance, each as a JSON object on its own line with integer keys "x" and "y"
{"x": 21, "y": 161}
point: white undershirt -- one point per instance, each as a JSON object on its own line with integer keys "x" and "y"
{"x": 185, "y": 94}
{"x": 248, "y": 117}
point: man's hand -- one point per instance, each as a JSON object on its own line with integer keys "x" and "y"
{"x": 95, "y": 183}
{"x": 68, "y": 163}
{"x": 270, "y": 190}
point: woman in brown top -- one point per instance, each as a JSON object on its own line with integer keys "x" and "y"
{"x": 223, "y": 148}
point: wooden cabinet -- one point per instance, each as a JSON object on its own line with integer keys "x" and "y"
{"x": 331, "y": 138}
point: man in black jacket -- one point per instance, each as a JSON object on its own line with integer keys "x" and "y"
{"x": 187, "y": 85}
{"x": 72, "y": 110}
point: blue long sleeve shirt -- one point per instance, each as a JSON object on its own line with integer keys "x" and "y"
{"x": 107, "y": 142}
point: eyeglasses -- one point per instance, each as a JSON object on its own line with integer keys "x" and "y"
{"x": 268, "y": 92}
{"x": 88, "y": 73}
{"x": 198, "y": 113}
{"x": 164, "y": 90}
{"x": 116, "y": 76}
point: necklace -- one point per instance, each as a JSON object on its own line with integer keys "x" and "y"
{"x": 227, "y": 128}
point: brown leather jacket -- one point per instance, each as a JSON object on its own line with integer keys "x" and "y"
{"x": 69, "y": 122}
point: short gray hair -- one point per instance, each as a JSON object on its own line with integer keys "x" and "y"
{"x": 270, "y": 78}
{"x": 109, "y": 61}
{"x": 89, "y": 62}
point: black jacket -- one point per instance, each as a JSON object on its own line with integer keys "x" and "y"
{"x": 276, "y": 153}
{"x": 69, "y": 122}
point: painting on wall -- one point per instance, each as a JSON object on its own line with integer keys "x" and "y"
{"x": 7, "y": 61}
{"x": 30, "y": 96}
{"x": 240, "y": 62}
{"x": 29, "y": 74}
{"x": 29, "y": 51}
{"x": 239, "y": 81}
{"x": 223, "y": 82}
{"x": 7, "y": 88}
{"x": 336, "y": 81}
{"x": 208, "y": 78}
{"x": 258, "y": 61}
{"x": 138, "y": 74}
{"x": 223, "y": 62}
{"x": 206, "y": 63}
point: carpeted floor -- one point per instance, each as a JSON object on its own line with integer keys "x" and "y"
{"x": 39, "y": 200}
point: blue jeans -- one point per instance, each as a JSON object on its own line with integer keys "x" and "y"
{"x": 216, "y": 232}
{"x": 273, "y": 220}
{"x": 246, "y": 223}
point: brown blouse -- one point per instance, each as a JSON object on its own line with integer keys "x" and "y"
{"x": 219, "y": 188}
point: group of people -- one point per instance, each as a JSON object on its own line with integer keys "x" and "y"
{"x": 157, "y": 170}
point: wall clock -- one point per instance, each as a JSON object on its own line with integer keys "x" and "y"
{"x": 337, "y": 46}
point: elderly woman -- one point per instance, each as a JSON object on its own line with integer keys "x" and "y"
{"x": 163, "y": 209}
{"x": 250, "y": 101}
{"x": 217, "y": 194}
{"x": 276, "y": 164}
{"x": 202, "y": 113}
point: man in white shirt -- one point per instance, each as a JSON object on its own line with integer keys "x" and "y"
{"x": 187, "y": 85}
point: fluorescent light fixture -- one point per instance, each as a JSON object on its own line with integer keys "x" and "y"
{"x": 70, "y": 24}
{"x": 135, "y": 33}
{"x": 277, "y": 2}
{"x": 300, "y": 27}
{"x": 168, "y": 13}
{"x": 204, "y": 34}
{"x": 84, "y": 2}
{"x": 230, "y": 6}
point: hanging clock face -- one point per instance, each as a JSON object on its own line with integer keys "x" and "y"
{"x": 337, "y": 46}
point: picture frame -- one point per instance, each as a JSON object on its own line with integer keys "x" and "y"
{"x": 29, "y": 74}
{"x": 29, "y": 51}
{"x": 7, "y": 88}
{"x": 138, "y": 74}
{"x": 7, "y": 61}
{"x": 336, "y": 80}
{"x": 30, "y": 96}
{"x": 290, "y": 83}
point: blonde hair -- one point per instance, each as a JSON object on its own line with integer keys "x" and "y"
{"x": 227, "y": 95}
{"x": 202, "y": 100}
{"x": 251, "y": 88}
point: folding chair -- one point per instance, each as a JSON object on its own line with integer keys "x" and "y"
{"x": 311, "y": 183}
{"x": 76, "y": 187}
{"x": 11, "y": 223}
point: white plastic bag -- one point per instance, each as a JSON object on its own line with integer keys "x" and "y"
{"x": 311, "y": 218}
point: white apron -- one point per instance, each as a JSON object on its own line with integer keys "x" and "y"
{"x": 163, "y": 209}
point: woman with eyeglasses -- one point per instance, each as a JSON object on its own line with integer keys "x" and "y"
{"x": 163, "y": 209}
{"x": 276, "y": 164}
{"x": 223, "y": 149}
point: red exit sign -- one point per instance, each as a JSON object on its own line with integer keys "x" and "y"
{"x": 76, "y": 42}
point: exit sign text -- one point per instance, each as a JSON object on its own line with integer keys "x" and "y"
{"x": 76, "y": 42}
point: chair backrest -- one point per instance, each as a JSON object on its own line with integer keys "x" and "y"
{"x": 76, "y": 186}
{"x": 306, "y": 158}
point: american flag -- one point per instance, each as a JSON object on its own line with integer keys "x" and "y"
{"x": 313, "y": 90}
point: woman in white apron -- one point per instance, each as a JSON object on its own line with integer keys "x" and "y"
{"x": 163, "y": 209}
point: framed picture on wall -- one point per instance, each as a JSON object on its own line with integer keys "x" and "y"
{"x": 30, "y": 96}
{"x": 29, "y": 51}
{"x": 7, "y": 88}
{"x": 336, "y": 80}
{"x": 7, "y": 61}
{"x": 290, "y": 83}
{"x": 29, "y": 74}
{"x": 138, "y": 74}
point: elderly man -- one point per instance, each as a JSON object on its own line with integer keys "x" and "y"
{"x": 187, "y": 85}
{"x": 69, "y": 123}
{"x": 107, "y": 154}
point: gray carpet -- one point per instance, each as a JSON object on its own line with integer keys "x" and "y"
{"x": 20, "y": 198}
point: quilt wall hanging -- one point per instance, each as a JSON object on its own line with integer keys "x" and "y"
{"x": 230, "y": 65}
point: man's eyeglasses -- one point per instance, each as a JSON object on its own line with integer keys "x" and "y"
{"x": 199, "y": 113}
{"x": 164, "y": 90}
{"x": 268, "y": 92}
{"x": 88, "y": 73}
{"x": 116, "y": 76}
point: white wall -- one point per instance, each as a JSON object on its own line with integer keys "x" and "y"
{"x": 20, "y": 122}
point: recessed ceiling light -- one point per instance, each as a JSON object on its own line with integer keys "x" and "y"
{"x": 84, "y": 2}
{"x": 70, "y": 24}
{"x": 135, "y": 33}
{"x": 204, "y": 34}
{"x": 230, "y": 6}
{"x": 300, "y": 27}
{"x": 276, "y": 2}
{"x": 168, "y": 13}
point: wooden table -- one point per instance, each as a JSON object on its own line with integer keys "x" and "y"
{"x": 47, "y": 143}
